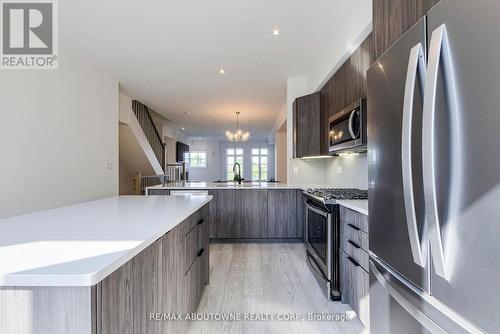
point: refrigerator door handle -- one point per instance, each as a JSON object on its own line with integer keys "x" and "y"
{"x": 414, "y": 311}
{"x": 439, "y": 52}
{"x": 416, "y": 67}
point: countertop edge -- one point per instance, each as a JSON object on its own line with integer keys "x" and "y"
{"x": 227, "y": 188}
{"x": 350, "y": 205}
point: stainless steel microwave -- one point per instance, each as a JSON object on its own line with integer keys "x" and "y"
{"x": 347, "y": 129}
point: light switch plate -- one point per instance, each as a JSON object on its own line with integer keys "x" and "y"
{"x": 108, "y": 165}
{"x": 296, "y": 170}
{"x": 339, "y": 169}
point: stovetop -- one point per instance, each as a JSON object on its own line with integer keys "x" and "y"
{"x": 330, "y": 195}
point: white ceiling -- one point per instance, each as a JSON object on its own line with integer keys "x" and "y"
{"x": 167, "y": 53}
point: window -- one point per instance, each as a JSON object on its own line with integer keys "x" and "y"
{"x": 196, "y": 159}
{"x": 233, "y": 155}
{"x": 259, "y": 164}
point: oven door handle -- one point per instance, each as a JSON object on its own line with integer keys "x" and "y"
{"x": 319, "y": 212}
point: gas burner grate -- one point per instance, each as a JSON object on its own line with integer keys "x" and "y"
{"x": 338, "y": 193}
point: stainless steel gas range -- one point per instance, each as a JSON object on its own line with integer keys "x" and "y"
{"x": 322, "y": 235}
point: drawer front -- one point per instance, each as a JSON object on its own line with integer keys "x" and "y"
{"x": 355, "y": 234}
{"x": 357, "y": 290}
{"x": 193, "y": 282}
{"x": 192, "y": 221}
{"x": 356, "y": 252}
{"x": 205, "y": 210}
{"x": 196, "y": 218}
{"x": 344, "y": 277}
{"x": 196, "y": 240}
{"x": 165, "y": 192}
{"x": 354, "y": 218}
{"x": 192, "y": 247}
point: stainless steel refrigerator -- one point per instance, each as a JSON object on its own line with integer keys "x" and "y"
{"x": 434, "y": 174}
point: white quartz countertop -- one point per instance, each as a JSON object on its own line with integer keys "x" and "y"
{"x": 79, "y": 245}
{"x": 230, "y": 185}
{"x": 359, "y": 205}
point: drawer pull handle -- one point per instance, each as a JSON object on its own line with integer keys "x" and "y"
{"x": 353, "y": 262}
{"x": 200, "y": 253}
{"x": 354, "y": 227}
{"x": 201, "y": 221}
{"x": 353, "y": 244}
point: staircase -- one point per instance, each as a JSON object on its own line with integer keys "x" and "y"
{"x": 143, "y": 116}
{"x": 143, "y": 158}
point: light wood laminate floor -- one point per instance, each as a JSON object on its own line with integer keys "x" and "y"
{"x": 266, "y": 278}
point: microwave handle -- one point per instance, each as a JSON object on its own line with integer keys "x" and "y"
{"x": 351, "y": 131}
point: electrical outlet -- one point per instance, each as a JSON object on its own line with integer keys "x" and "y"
{"x": 339, "y": 169}
{"x": 296, "y": 170}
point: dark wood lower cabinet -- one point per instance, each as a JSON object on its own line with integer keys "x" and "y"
{"x": 157, "y": 281}
{"x": 256, "y": 215}
{"x": 354, "y": 277}
{"x": 227, "y": 213}
{"x": 282, "y": 214}
{"x": 253, "y": 214}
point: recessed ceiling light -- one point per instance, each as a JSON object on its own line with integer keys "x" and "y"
{"x": 276, "y": 31}
{"x": 222, "y": 71}
{"x": 183, "y": 128}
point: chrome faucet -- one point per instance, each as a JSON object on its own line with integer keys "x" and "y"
{"x": 237, "y": 176}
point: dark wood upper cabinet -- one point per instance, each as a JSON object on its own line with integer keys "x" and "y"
{"x": 391, "y": 19}
{"x": 307, "y": 125}
{"x": 348, "y": 84}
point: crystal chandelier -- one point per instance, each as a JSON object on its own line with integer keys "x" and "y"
{"x": 238, "y": 134}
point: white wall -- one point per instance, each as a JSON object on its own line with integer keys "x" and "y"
{"x": 216, "y": 155}
{"x": 58, "y": 130}
{"x": 212, "y": 172}
{"x": 280, "y": 156}
{"x": 353, "y": 171}
{"x": 247, "y": 157}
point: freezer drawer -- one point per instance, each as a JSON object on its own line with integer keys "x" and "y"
{"x": 398, "y": 306}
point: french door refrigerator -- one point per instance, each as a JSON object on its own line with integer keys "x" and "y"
{"x": 434, "y": 174}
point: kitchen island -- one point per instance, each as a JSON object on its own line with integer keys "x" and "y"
{"x": 250, "y": 212}
{"x": 253, "y": 211}
{"x": 103, "y": 266}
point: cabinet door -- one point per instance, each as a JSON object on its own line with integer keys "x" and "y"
{"x": 212, "y": 214}
{"x": 391, "y": 19}
{"x": 308, "y": 125}
{"x": 130, "y": 293}
{"x": 173, "y": 293}
{"x": 253, "y": 213}
{"x": 282, "y": 214}
{"x": 301, "y": 214}
{"x": 192, "y": 286}
{"x": 227, "y": 219}
{"x": 344, "y": 278}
